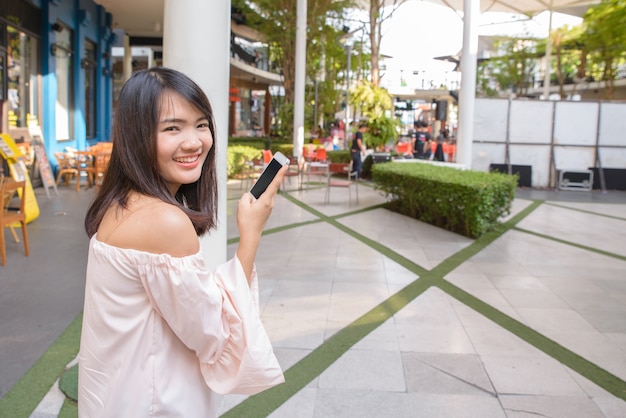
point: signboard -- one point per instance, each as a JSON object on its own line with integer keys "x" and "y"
{"x": 45, "y": 171}
{"x": 11, "y": 153}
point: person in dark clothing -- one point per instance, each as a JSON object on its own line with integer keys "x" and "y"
{"x": 441, "y": 138}
{"x": 356, "y": 149}
{"x": 422, "y": 137}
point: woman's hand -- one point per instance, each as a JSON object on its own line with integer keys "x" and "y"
{"x": 251, "y": 218}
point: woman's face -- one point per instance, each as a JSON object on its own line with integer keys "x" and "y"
{"x": 183, "y": 141}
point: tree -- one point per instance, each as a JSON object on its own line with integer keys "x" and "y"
{"x": 277, "y": 21}
{"x": 378, "y": 11}
{"x": 604, "y": 38}
{"x": 513, "y": 69}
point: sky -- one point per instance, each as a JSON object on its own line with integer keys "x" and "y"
{"x": 419, "y": 31}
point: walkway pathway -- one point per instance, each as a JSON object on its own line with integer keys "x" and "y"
{"x": 373, "y": 314}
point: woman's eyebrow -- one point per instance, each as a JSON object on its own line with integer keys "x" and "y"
{"x": 178, "y": 120}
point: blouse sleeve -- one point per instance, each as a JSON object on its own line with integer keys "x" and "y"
{"x": 217, "y": 316}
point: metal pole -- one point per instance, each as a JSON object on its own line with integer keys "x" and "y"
{"x": 347, "y": 131}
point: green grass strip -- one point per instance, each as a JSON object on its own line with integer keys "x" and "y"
{"x": 584, "y": 367}
{"x": 69, "y": 409}
{"x": 311, "y": 366}
{"x": 483, "y": 241}
{"x": 26, "y": 394}
{"x": 278, "y": 229}
{"x": 386, "y": 251}
{"x": 587, "y": 211}
{"x": 572, "y": 244}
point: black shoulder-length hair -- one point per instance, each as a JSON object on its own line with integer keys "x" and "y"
{"x": 133, "y": 166}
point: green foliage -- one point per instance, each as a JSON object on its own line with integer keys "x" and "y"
{"x": 514, "y": 69}
{"x": 604, "y": 38}
{"x": 237, "y": 155}
{"x": 339, "y": 156}
{"x": 380, "y": 131}
{"x": 372, "y": 101}
{"x": 465, "y": 202}
{"x": 375, "y": 103}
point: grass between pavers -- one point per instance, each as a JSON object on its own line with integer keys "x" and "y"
{"x": 311, "y": 366}
{"x": 26, "y": 394}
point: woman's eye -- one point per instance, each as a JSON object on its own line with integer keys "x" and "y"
{"x": 204, "y": 125}
{"x": 171, "y": 128}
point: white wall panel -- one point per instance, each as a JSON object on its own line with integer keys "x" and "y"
{"x": 613, "y": 124}
{"x": 574, "y": 158}
{"x": 576, "y": 123}
{"x": 612, "y": 157}
{"x": 531, "y": 121}
{"x": 490, "y": 120}
{"x": 537, "y": 156}
{"x": 486, "y": 154}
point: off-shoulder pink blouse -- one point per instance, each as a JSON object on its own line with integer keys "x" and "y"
{"x": 161, "y": 335}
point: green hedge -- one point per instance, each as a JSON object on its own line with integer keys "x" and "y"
{"x": 237, "y": 154}
{"x": 465, "y": 202}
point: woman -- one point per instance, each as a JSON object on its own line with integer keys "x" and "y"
{"x": 162, "y": 334}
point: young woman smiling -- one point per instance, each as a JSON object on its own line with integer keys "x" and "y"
{"x": 161, "y": 333}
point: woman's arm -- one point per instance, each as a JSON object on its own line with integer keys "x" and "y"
{"x": 251, "y": 218}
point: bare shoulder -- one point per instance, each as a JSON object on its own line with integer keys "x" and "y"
{"x": 154, "y": 226}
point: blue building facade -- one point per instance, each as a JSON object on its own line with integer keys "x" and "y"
{"x": 55, "y": 70}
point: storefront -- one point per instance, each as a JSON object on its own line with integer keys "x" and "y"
{"x": 55, "y": 72}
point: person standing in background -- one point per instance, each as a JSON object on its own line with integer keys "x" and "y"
{"x": 357, "y": 149}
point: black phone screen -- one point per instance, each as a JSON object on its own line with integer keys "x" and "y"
{"x": 266, "y": 178}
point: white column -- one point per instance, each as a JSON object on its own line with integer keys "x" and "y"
{"x": 127, "y": 64}
{"x": 298, "y": 105}
{"x": 467, "y": 93}
{"x": 196, "y": 41}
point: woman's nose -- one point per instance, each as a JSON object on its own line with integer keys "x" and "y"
{"x": 192, "y": 139}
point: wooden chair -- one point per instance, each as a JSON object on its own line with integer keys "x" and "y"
{"x": 9, "y": 216}
{"x": 67, "y": 167}
{"x": 101, "y": 163}
{"x": 336, "y": 173}
{"x": 85, "y": 165}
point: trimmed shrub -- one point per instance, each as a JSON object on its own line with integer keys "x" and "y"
{"x": 339, "y": 156}
{"x": 465, "y": 202}
{"x": 237, "y": 155}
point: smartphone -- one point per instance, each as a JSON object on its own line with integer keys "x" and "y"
{"x": 268, "y": 174}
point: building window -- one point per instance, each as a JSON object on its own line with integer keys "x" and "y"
{"x": 89, "y": 67}
{"x": 22, "y": 52}
{"x": 63, "y": 49}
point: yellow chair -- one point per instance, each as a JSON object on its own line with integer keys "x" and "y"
{"x": 9, "y": 216}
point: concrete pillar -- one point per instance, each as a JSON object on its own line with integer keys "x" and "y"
{"x": 467, "y": 94}
{"x": 298, "y": 105}
{"x": 196, "y": 41}
{"x": 127, "y": 64}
